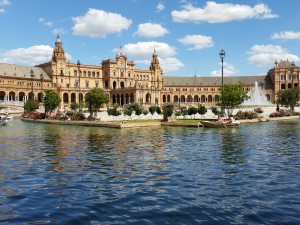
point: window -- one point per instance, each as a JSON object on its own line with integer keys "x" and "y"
{"x": 96, "y": 83}
{"x": 86, "y": 83}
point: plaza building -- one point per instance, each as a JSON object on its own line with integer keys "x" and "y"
{"x": 126, "y": 84}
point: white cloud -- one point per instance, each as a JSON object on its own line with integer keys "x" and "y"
{"x": 160, "y": 7}
{"x": 46, "y": 23}
{"x": 286, "y": 35}
{"x": 28, "y": 56}
{"x": 143, "y": 51}
{"x": 167, "y": 64}
{"x": 197, "y": 41}
{"x": 5, "y": 2}
{"x": 98, "y": 23}
{"x": 228, "y": 70}
{"x": 170, "y": 64}
{"x": 213, "y": 12}
{"x": 266, "y": 55}
{"x": 151, "y": 30}
{"x": 146, "y": 49}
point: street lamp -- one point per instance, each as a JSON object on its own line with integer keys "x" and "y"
{"x": 42, "y": 78}
{"x": 222, "y": 56}
{"x": 79, "y": 97}
{"x": 31, "y": 75}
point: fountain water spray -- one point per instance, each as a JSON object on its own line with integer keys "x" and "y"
{"x": 256, "y": 97}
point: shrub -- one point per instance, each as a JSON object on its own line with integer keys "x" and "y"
{"x": 168, "y": 110}
{"x": 158, "y": 110}
{"x": 178, "y": 113}
{"x": 242, "y": 115}
{"x": 259, "y": 110}
{"x": 113, "y": 111}
{"x": 281, "y": 113}
{"x": 128, "y": 111}
{"x": 215, "y": 111}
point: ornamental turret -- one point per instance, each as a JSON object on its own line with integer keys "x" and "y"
{"x": 58, "y": 51}
{"x": 155, "y": 62}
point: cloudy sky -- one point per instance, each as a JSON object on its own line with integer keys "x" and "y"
{"x": 186, "y": 34}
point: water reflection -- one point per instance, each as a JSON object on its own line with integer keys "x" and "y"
{"x": 81, "y": 175}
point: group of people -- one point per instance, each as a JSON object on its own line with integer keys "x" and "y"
{"x": 223, "y": 121}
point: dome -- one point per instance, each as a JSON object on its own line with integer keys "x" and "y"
{"x": 285, "y": 64}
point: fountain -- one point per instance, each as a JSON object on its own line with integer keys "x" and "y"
{"x": 256, "y": 97}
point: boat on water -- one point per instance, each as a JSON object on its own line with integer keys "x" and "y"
{"x": 220, "y": 124}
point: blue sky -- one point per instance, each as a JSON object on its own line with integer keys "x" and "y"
{"x": 187, "y": 35}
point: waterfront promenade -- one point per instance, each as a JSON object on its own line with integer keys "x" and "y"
{"x": 103, "y": 120}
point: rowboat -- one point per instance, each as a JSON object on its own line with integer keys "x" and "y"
{"x": 220, "y": 124}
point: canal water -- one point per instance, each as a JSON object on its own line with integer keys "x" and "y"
{"x": 52, "y": 174}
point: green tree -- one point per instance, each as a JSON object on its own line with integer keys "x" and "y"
{"x": 113, "y": 111}
{"x": 138, "y": 109}
{"x": 158, "y": 110}
{"x": 232, "y": 96}
{"x": 168, "y": 110}
{"x": 288, "y": 98}
{"x": 152, "y": 109}
{"x": 192, "y": 111}
{"x": 215, "y": 111}
{"x": 128, "y": 111}
{"x": 184, "y": 111}
{"x": 51, "y": 101}
{"x": 202, "y": 109}
{"x": 95, "y": 99}
{"x": 31, "y": 105}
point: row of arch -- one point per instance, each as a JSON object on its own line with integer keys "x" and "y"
{"x": 190, "y": 98}
{"x": 121, "y": 99}
{"x": 289, "y": 85}
{"x": 21, "y": 96}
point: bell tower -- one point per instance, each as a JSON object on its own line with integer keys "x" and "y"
{"x": 59, "y": 64}
{"x": 58, "y": 51}
{"x": 156, "y": 77}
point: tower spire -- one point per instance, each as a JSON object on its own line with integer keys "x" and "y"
{"x": 58, "y": 51}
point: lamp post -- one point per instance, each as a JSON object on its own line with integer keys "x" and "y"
{"x": 31, "y": 75}
{"x": 42, "y": 78}
{"x": 79, "y": 96}
{"x": 222, "y": 56}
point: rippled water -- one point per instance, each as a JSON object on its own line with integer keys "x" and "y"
{"x": 53, "y": 174}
